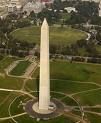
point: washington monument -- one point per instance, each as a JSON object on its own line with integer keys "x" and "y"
{"x": 44, "y": 87}
{"x": 44, "y": 107}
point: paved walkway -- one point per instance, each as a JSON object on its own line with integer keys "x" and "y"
{"x": 18, "y": 91}
{"x": 7, "y": 118}
{"x": 75, "y": 117}
{"x": 70, "y": 95}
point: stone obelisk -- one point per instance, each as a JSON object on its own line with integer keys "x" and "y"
{"x": 44, "y": 86}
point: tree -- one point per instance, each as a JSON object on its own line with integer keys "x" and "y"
{"x": 53, "y": 49}
{"x": 57, "y": 4}
{"x": 22, "y": 23}
{"x": 87, "y": 9}
{"x": 32, "y": 14}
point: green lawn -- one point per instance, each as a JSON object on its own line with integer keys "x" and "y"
{"x": 94, "y": 118}
{"x": 10, "y": 83}
{"x": 70, "y": 78}
{"x": 89, "y": 98}
{"x": 4, "y": 107}
{"x": 67, "y": 87}
{"x": 74, "y": 71}
{"x": 5, "y": 62}
{"x": 20, "y": 68}
{"x": 3, "y": 95}
{"x": 16, "y": 108}
{"x": 58, "y": 35}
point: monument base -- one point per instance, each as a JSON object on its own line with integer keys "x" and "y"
{"x": 56, "y": 109}
{"x": 51, "y": 109}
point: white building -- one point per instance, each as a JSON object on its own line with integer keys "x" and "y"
{"x": 11, "y": 8}
{"x": 33, "y": 6}
{"x": 70, "y": 9}
{"x": 15, "y": 5}
{"x": 47, "y": 1}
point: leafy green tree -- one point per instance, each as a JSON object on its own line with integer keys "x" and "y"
{"x": 22, "y": 23}
{"x": 87, "y": 9}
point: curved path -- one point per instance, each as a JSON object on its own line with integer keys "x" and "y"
{"x": 9, "y": 109}
{"x": 18, "y": 115}
{"x": 65, "y": 113}
{"x": 7, "y": 118}
{"x": 76, "y": 117}
{"x": 18, "y": 91}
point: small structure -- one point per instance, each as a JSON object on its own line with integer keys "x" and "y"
{"x": 14, "y": 6}
{"x": 47, "y": 1}
{"x": 11, "y": 8}
{"x": 70, "y": 9}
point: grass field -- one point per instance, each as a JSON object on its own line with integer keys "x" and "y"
{"x": 63, "y": 86}
{"x": 58, "y": 35}
{"x": 90, "y": 98}
{"x": 74, "y": 71}
{"x": 10, "y": 82}
{"x": 6, "y": 102}
{"x": 5, "y": 62}
{"x": 20, "y": 68}
{"x": 72, "y": 83}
